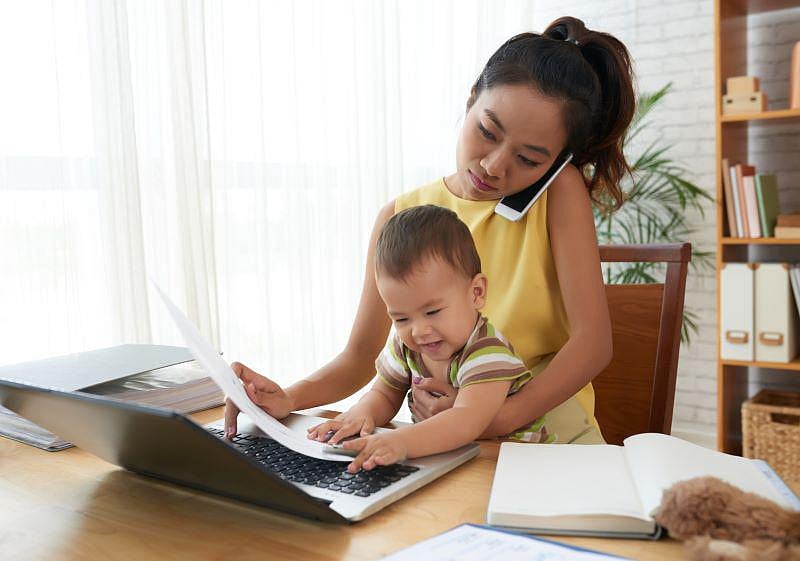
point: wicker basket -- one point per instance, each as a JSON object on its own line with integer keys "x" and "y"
{"x": 771, "y": 431}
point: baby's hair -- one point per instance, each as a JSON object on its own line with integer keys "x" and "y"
{"x": 591, "y": 73}
{"x": 427, "y": 231}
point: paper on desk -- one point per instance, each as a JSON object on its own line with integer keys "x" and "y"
{"x": 479, "y": 543}
{"x": 231, "y": 385}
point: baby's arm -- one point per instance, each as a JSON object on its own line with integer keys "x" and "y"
{"x": 473, "y": 410}
{"x": 375, "y": 408}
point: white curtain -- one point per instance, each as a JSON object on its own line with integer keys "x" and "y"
{"x": 235, "y": 152}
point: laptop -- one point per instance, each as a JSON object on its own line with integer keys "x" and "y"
{"x": 254, "y": 468}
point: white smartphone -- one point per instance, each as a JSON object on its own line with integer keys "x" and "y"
{"x": 514, "y": 207}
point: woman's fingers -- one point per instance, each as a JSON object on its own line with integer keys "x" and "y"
{"x": 231, "y": 412}
{"x": 248, "y": 375}
{"x": 430, "y": 397}
{"x": 433, "y": 386}
{"x": 422, "y": 404}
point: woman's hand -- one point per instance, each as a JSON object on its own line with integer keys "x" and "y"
{"x": 262, "y": 391}
{"x": 343, "y": 425}
{"x": 379, "y": 449}
{"x": 430, "y": 396}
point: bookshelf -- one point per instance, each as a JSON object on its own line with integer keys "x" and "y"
{"x": 731, "y": 52}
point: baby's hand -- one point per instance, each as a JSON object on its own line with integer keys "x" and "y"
{"x": 343, "y": 425}
{"x": 379, "y": 449}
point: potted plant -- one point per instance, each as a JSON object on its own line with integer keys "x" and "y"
{"x": 657, "y": 196}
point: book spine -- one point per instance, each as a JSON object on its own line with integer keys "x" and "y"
{"x": 727, "y": 192}
{"x": 766, "y": 227}
{"x": 751, "y": 204}
{"x": 742, "y": 199}
{"x": 737, "y": 205}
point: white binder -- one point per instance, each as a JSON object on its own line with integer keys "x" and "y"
{"x": 775, "y": 315}
{"x": 736, "y": 313}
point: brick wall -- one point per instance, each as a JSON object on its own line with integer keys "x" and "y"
{"x": 673, "y": 41}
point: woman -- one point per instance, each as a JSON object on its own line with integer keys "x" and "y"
{"x": 539, "y": 97}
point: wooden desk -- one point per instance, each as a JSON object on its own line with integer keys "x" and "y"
{"x": 73, "y": 506}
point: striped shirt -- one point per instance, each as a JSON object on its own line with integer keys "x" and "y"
{"x": 487, "y": 356}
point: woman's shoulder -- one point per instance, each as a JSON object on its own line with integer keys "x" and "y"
{"x": 569, "y": 187}
{"x": 434, "y": 192}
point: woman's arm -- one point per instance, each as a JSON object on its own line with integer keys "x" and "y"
{"x": 353, "y": 368}
{"x": 588, "y": 350}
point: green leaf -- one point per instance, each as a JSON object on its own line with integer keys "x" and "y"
{"x": 657, "y": 196}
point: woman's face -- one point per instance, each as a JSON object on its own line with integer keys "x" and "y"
{"x": 511, "y": 136}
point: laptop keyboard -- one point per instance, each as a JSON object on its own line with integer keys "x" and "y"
{"x": 326, "y": 474}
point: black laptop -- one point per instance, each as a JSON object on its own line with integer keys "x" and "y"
{"x": 164, "y": 444}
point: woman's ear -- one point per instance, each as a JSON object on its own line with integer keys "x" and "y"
{"x": 478, "y": 289}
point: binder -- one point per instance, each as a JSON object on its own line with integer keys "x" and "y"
{"x": 736, "y": 311}
{"x": 149, "y": 374}
{"x": 775, "y": 316}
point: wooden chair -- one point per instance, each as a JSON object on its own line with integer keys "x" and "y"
{"x": 636, "y": 392}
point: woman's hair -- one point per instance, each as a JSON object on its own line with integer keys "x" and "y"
{"x": 417, "y": 233}
{"x": 591, "y": 73}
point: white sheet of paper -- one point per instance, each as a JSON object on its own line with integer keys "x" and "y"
{"x": 478, "y": 543}
{"x": 232, "y": 387}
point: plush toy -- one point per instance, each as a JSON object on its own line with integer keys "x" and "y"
{"x": 723, "y": 523}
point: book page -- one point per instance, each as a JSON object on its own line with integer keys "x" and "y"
{"x": 658, "y": 461}
{"x": 561, "y": 479}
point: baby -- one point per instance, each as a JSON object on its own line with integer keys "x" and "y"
{"x": 428, "y": 274}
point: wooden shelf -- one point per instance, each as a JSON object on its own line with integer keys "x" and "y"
{"x": 794, "y": 365}
{"x": 734, "y": 138}
{"x": 760, "y": 241}
{"x": 761, "y": 116}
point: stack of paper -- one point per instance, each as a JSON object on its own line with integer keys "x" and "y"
{"x": 156, "y": 375}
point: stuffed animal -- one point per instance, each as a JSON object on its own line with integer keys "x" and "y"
{"x": 721, "y": 522}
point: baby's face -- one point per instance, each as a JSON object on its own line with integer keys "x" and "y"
{"x": 434, "y": 309}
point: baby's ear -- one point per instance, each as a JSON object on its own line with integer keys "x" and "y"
{"x": 478, "y": 288}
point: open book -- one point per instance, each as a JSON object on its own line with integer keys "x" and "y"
{"x": 611, "y": 490}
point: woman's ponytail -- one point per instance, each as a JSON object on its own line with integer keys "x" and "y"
{"x": 610, "y": 60}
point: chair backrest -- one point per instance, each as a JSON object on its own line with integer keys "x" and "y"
{"x": 636, "y": 392}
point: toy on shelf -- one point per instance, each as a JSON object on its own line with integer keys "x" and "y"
{"x": 743, "y": 96}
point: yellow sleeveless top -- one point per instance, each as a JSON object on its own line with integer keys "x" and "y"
{"x": 524, "y": 297}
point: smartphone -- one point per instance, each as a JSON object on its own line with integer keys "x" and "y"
{"x": 515, "y": 206}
